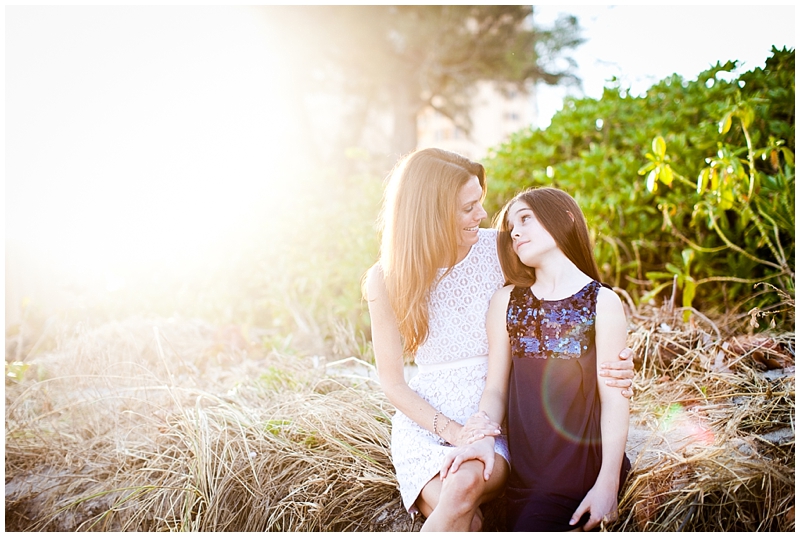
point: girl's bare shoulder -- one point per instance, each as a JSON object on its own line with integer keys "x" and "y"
{"x": 609, "y": 303}
{"x": 503, "y": 294}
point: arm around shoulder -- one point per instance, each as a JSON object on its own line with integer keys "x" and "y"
{"x": 611, "y": 316}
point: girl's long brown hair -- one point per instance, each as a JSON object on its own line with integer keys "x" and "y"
{"x": 419, "y": 235}
{"x": 561, "y": 216}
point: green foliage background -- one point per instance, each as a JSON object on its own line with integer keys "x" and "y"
{"x": 693, "y": 182}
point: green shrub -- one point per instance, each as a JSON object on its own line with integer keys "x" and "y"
{"x": 692, "y": 182}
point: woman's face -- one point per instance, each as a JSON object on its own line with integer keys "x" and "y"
{"x": 530, "y": 239}
{"x": 469, "y": 214}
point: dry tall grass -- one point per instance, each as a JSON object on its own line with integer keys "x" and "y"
{"x": 152, "y": 425}
{"x": 712, "y": 426}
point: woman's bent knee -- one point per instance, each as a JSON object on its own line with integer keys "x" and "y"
{"x": 467, "y": 483}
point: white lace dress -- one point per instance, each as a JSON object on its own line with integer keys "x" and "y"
{"x": 452, "y": 364}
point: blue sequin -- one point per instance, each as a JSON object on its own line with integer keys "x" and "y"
{"x": 551, "y": 328}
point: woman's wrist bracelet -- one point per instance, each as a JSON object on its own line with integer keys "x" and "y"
{"x": 436, "y": 429}
{"x": 445, "y": 425}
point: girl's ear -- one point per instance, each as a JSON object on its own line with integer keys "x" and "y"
{"x": 571, "y": 216}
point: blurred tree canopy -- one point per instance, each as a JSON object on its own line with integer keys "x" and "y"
{"x": 690, "y": 188}
{"x": 404, "y": 58}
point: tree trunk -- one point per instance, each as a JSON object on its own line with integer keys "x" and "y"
{"x": 405, "y": 105}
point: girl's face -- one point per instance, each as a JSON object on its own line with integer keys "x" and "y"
{"x": 531, "y": 241}
{"x": 469, "y": 214}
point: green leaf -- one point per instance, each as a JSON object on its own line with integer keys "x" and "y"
{"x": 275, "y": 427}
{"x": 15, "y": 371}
{"x": 744, "y": 218}
{"x": 610, "y": 172}
{"x": 725, "y": 124}
{"x": 652, "y": 183}
{"x": 788, "y": 156}
{"x": 726, "y": 198}
{"x": 659, "y": 147}
{"x": 689, "y": 288}
{"x": 666, "y": 175}
{"x": 647, "y": 167}
{"x": 687, "y": 255}
{"x": 746, "y": 115}
{"x": 714, "y": 179}
{"x": 654, "y": 276}
{"x": 702, "y": 180}
{"x": 649, "y": 296}
{"x": 673, "y": 269}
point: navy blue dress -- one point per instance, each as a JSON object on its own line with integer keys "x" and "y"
{"x": 553, "y": 408}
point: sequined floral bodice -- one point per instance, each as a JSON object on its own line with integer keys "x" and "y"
{"x": 551, "y": 328}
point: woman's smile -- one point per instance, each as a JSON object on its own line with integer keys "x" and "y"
{"x": 469, "y": 215}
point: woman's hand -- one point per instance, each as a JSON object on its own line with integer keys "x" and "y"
{"x": 601, "y": 504}
{"x": 478, "y": 426}
{"x": 619, "y": 374}
{"x": 481, "y": 450}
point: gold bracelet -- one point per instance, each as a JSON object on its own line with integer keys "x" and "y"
{"x": 435, "y": 416}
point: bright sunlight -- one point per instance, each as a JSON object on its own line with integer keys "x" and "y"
{"x": 135, "y": 139}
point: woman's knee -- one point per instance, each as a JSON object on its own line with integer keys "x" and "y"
{"x": 467, "y": 483}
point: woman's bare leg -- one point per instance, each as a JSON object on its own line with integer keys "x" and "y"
{"x": 432, "y": 491}
{"x": 453, "y": 504}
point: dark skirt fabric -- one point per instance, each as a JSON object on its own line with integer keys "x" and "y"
{"x": 531, "y": 511}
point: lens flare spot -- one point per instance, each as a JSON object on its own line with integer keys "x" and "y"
{"x": 684, "y": 429}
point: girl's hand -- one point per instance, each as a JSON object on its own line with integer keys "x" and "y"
{"x": 481, "y": 450}
{"x": 601, "y": 504}
{"x": 619, "y": 374}
{"x": 478, "y": 426}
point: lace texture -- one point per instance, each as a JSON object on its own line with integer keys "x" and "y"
{"x": 457, "y": 311}
{"x": 458, "y": 305}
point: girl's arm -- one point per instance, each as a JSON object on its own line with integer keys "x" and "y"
{"x": 495, "y": 395}
{"x": 610, "y": 339}
{"x": 388, "y": 347}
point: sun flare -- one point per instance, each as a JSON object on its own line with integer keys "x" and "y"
{"x": 138, "y": 136}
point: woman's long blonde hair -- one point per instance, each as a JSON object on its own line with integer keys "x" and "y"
{"x": 419, "y": 235}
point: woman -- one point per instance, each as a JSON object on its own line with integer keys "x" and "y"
{"x": 428, "y": 298}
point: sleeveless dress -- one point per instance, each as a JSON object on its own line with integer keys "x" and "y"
{"x": 452, "y": 364}
{"x": 553, "y": 408}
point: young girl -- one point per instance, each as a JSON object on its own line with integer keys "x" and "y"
{"x": 549, "y": 331}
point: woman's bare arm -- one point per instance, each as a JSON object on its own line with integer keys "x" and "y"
{"x": 388, "y": 348}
